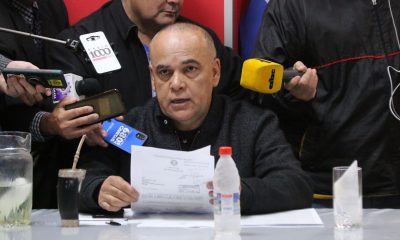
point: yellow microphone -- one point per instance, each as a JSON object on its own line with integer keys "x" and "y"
{"x": 264, "y": 76}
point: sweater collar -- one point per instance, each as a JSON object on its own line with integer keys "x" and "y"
{"x": 211, "y": 125}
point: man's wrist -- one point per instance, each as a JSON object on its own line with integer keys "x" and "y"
{"x": 35, "y": 129}
{"x": 46, "y": 125}
{"x": 4, "y": 61}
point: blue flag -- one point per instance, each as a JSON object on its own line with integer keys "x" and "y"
{"x": 249, "y": 25}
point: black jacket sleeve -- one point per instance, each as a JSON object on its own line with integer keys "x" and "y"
{"x": 279, "y": 183}
{"x": 99, "y": 163}
{"x": 282, "y": 39}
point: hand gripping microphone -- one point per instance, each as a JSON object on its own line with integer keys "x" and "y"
{"x": 264, "y": 76}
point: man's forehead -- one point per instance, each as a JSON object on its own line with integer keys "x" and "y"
{"x": 182, "y": 38}
{"x": 169, "y": 64}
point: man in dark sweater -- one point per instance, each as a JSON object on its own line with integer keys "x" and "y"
{"x": 186, "y": 116}
{"x": 129, "y": 25}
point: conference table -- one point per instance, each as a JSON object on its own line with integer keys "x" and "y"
{"x": 382, "y": 224}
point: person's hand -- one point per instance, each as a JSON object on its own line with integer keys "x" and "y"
{"x": 17, "y": 86}
{"x": 304, "y": 87}
{"x": 96, "y": 137}
{"x": 66, "y": 123}
{"x": 3, "y": 84}
{"x": 116, "y": 193}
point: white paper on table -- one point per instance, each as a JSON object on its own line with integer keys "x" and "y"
{"x": 176, "y": 220}
{"x": 171, "y": 181}
{"x": 302, "y": 217}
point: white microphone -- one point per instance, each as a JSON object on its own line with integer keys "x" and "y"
{"x": 76, "y": 87}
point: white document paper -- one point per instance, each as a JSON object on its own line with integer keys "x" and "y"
{"x": 171, "y": 181}
{"x": 302, "y": 217}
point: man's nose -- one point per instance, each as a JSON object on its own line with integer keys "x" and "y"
{"x": 177, "y": 81}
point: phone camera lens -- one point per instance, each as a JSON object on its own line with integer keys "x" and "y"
{"x": 140, "y": 136}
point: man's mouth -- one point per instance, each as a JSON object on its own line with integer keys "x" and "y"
{"x": 170, "y": 13}
{"x": 179, "y": 100}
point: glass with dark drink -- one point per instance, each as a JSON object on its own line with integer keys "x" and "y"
{"x": 68, "y": 187}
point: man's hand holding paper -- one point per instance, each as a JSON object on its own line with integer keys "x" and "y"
{"x": 171, "y": 181}
{"x": 116, "y": 193}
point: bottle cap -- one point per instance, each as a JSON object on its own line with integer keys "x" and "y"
{"x": 225, "y": 150}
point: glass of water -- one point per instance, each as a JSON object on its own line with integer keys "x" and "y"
{"x": 347, "y": 197}
{"x": 15, "y": 178}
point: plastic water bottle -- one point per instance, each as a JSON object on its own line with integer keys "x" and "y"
{"x": 226, "y": 194}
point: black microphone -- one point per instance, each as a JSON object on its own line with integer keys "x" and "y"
{"x": 77, "y": 88}
{"x": 87, "y": 87}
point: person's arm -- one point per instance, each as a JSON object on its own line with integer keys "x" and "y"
{"x": 100, "y": 163}
{"x": 303, "y": 88}
{"x": 4, "y": 61}
{"x": 68, "y": 123}
{"x": 279, "y": 183}
{"x": 282, "y": 39}
{"x": 19, "y": 87}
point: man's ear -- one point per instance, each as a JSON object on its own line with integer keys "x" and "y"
{"x": 152, "y": 77}
{"x": 216, "y": 71}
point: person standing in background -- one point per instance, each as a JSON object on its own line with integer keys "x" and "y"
{"x": 355, "y": 47}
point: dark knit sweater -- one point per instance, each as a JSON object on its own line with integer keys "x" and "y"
{"x": 271, "y": 177}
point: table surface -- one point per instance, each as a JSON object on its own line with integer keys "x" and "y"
{"x": 377, "y": 224}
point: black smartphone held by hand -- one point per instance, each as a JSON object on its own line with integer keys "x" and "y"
{"x": 107, "y": 105}
{"x": 48, "y": 78}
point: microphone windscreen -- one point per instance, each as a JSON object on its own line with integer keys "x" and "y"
{"x": 261, "y": 76}
{"x": 88, "y": 87}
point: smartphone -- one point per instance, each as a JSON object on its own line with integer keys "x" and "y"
{"x": 48, "y": 78}
{"x": 122, "y": 135}
{"x": 107, "y": 104}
